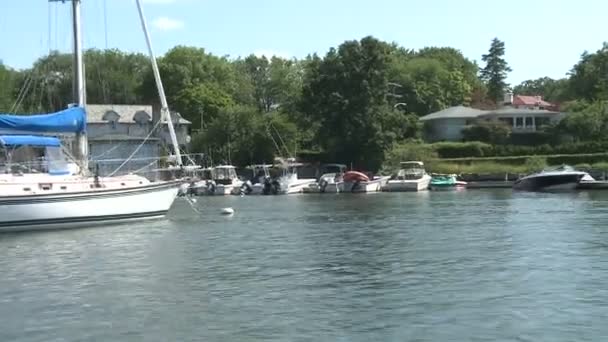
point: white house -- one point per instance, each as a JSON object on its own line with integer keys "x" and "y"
{"x": 524, "y": 114}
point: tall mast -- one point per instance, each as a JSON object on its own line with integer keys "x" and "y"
{"x": 165, "y": 113}
{"x": 78, "y": 86}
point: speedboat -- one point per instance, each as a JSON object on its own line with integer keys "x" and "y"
{"x": 289, "y": 182}
{"x": 329, "y": 182}
{"x": 224, "y": 181}
{"x": 446, "y": 182}
{"x": 355, "y": 181}
{"x": 411, "y": 177}
{"x": 557, "y": 179}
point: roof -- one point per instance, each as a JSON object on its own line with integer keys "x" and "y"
{"x": 30, "y": 140}
{"x": 419, "y": 163}
{"x": 526, "y": 100}
{"x": 457, "y": 112}
{"x": 121, "y": 137}
{"x": 520, "y": 111}
{"x": 102, "y": 113}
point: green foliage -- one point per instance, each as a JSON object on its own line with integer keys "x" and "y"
{"x": 432, "y": 79}
{"x": 495, "y": 71}
{"x": 410, "y": 151}
{"x": 463, "y": 150}
{"x": 7, "y": 79}
{"x": 345, "y": 93}
{"x": 535, "y": 163}
{"x": 551, "y": 90}
{"x": 589, "y": 77}
{"x": 241, "y": 135}
{"x": 487, "y": 131}
{"x": 585, "y": 122}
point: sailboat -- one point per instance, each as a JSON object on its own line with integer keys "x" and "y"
{"x": 58, "y": 191}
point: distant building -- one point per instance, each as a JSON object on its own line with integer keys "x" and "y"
{"x": 115, "y": 132}
{"x": 524, "y": 114}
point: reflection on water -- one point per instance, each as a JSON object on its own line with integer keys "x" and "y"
{"x": 436, "y": 266}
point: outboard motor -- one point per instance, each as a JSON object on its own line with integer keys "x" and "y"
{"x": 211, "y": 187}
{"x": 267, "y": 186}
{"x": 276, "y": 187}
{"x": 246, "y": 188}
{"x": 322, "y": 185}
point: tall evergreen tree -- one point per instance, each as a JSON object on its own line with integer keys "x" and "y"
{"x": 495, "y": 71}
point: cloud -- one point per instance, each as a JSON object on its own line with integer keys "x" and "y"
{"x": 270, "y": 53}
{"x": 159, "y": 1}
{"x": 167, "y": 24}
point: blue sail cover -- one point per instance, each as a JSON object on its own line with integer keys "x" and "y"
{"x": 30, "y": 140}
{"x": 72, "y": 120}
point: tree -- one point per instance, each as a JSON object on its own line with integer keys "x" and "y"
{"x": 192, "y": 79}
{"x": 346, "y": 93}
{"x": 433, "y": 79}
{"x": 495, "y": 71}
{"x": 241, "y": 135}
{"x": 589, "y": 77}
{"x": 7, "y": 80}
{"x": 585, "y": 121}
{"x": 276, "y": 82}
{"x": 551, "y": 90}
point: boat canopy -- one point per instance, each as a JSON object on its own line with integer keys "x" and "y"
{"x": 29, "y": 140}
{"x": 72, "y": 120}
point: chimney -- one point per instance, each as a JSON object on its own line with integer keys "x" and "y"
{"x": 508, "y": 98}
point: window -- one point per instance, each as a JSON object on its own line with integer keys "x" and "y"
{"x": 519, "y": 122}
{"x": 529, "y": 122}
{"x": 113, "y": 124}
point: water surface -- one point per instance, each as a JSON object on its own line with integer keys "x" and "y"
{"x": 459, "y": 266}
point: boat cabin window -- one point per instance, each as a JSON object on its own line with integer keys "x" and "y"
{"x": 34, "y": 159}
{"x": 224, "y": 173}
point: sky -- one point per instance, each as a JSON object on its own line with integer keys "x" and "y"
{"x": 542, "y": 37}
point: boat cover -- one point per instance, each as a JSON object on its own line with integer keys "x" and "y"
{"x": 71, "y": 120}
{"x": 30, "y": 140}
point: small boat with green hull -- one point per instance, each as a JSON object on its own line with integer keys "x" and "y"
{"x": 446, "y": 182}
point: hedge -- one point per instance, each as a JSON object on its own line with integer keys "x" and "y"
{"x": 479, "y": 149}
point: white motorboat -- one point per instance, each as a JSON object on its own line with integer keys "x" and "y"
{"x": 562, "y": 178}
{"x": 355, "y": 181}
{"x": 289, "y": 182}
{"x": 50, "y": 193}
{"x": 260, "y": 180}
{"x": 411, "y": 177}
{"x": 225, "y": 181}
{"x": 329, "y": 182}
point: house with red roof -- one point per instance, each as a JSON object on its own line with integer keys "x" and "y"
{"x": 528, "y": 102}
{"x": 523, "y": 113}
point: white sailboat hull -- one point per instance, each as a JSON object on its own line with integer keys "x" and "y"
{"x": 57, "y": 211}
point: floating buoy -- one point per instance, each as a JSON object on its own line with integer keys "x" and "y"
{"x": 227, "y": 211}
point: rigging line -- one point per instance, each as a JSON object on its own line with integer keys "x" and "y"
{"x": 106, "y": 152}
{"x": 22, "y": 93}
{"x": 50, "y": 25}
{"x": 56, "y": 27}
{"x": 138, "y": 147}
{"x": 281, "y": 139}
{"x": 272, "y": 137}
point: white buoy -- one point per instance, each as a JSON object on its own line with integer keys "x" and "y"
{"x": 227, "y": 211}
